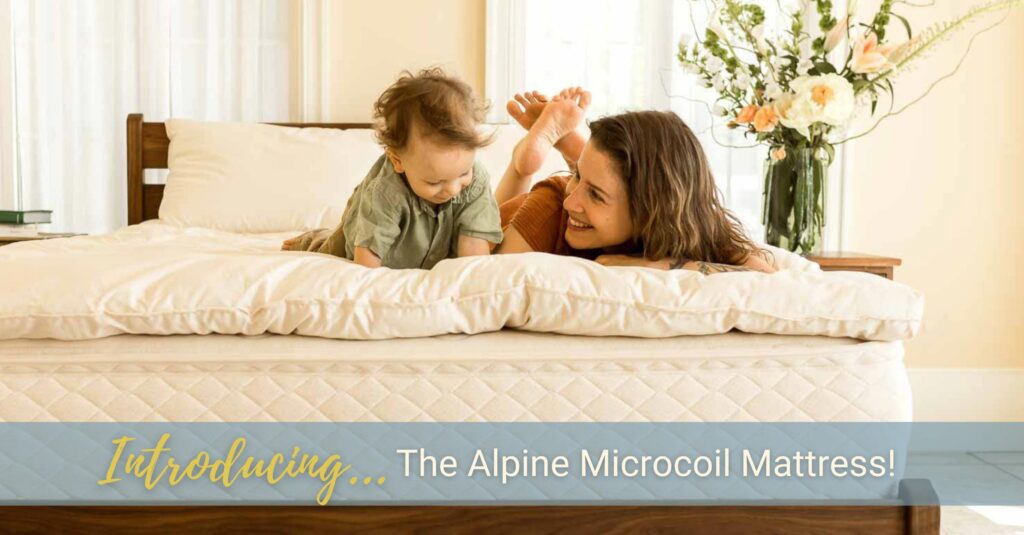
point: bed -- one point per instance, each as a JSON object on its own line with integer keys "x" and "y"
{"x": 507, "y": 375}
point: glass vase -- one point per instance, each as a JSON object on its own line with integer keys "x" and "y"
{"x": 793, "y": 211}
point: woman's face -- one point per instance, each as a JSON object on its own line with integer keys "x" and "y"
{"x": 598, "y": 203}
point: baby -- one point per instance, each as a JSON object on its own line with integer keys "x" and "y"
{"x": 425, "y": 199}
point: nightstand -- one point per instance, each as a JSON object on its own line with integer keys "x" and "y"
{"x": 7, "y": 239}
{"x": 850, "y": 261}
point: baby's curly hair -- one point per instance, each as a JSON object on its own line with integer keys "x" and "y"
{"x": 443, "y": 106}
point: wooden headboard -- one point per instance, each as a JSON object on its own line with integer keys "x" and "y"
{"x": 147, "y": 149}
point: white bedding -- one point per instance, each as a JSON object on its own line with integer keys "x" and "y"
{"x": 160, "y": 279}
{"x": 502, "y": 376}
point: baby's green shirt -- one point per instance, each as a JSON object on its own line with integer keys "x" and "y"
{"x": 405, "y": 231}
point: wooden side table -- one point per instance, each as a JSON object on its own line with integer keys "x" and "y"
{"x": 850, "y": 261}
{"x": 7, "y": 239}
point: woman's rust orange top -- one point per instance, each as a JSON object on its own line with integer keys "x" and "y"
{"x": 539, "y": 218}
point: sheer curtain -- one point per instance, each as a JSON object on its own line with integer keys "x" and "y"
{"x": 81, "y": 66}
{"x": 8, "y": 179}
{"x": 624, "y": 52}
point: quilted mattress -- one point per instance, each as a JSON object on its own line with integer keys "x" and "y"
{"x": 499, "y": 376}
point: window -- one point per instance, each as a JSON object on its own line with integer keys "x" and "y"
{"x": 623, "y": 51}
{"x": 79, "y": 67}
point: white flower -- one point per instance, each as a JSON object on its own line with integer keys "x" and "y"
{"x": 715, "y": 25}
{"x": 684, "y": 41}
{"x": 851, "y": 7}
{"x": 719, "y": 111}
{"x": 804, "y": 67}
{"x": 825, "y": 99}
{"x": 772, "y": 91}
{"x": 758, "y": 33}
{"x": 742, "y": 81}
{"x": 705, "y": 83}
{"x": 719, "y": 83}
{"x": 691, "y": 68}
{"x": 715, "y": 64}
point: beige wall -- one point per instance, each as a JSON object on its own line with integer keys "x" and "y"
{"x": 371, "y": 41}
{"x": 941, "y": 186}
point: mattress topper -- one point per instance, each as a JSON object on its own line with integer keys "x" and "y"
{"x": 155, "y": 278}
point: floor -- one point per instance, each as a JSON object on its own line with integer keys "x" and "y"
{"x": 982, "y": 520}
{"x": 981, "y": 470}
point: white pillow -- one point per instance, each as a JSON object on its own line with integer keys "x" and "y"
{"x": 253, "y": 178}
{"x": 256, "y": 178}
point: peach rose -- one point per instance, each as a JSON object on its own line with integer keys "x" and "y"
{"x": 766, "y": 119}
{"x": 869, "y": 56}
{"x": 747, "y": 115}
{"x": 779, "y": 154}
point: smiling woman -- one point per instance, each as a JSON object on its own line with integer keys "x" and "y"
{"x": 641, "y": 192}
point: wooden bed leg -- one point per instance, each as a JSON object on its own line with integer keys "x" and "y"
{"x": 922, "y": 509}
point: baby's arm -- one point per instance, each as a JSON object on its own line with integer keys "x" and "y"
{"x": 478, "y": 221}
{"x": 365, "y": 257}
{"x": 471, "y": 246}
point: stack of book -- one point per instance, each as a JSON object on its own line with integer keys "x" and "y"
{"x": 23, "y": 222}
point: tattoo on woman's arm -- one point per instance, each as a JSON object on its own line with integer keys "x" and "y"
{"x": 708, "y": 268}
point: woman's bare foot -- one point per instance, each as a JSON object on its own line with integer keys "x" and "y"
{"x": 555, "y": 126}
{"x": 525, "y": 108}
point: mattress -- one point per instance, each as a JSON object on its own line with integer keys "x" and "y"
{"x": 498, "y": 376}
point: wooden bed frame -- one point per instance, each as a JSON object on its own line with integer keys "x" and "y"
{"x": 147, "y": 149}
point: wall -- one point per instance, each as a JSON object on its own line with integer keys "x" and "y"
{"x": 941, "y": 186}
{"x": 372, "y": 41}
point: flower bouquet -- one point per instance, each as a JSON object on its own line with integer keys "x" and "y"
{"x": 798, "y": 91}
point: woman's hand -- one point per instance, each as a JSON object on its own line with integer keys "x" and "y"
{"x": 706, "y": 268}
{"x": 634, "y": 261}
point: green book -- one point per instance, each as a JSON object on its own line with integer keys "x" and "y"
{"x": 25, "y": 217}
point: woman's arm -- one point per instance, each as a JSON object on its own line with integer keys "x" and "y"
{"x": 756, "y": 262}
{"x": 512, "y": 184}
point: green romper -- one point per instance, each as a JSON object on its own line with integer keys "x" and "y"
{"x": 405, "y": 231}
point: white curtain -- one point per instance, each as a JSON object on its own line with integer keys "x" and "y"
{"x": 81, "y": 66}
{"x": 8, "y": 178}
{"x": 623, "y": 51}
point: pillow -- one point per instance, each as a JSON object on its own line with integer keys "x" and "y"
{"x": 258, "y": 178}
{"x": 255, "y": 178}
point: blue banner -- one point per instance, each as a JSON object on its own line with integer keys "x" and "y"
{"x": 536, "y": 463}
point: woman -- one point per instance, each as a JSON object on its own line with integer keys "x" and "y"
{"x": 641, "y": 192}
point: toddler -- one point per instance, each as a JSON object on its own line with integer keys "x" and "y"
{"x": 426, "y": 198}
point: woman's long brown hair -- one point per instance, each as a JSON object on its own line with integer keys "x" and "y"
{"x": 674, "y": 203}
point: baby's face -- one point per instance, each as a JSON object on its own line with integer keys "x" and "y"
{"x": 436, "y": 173}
